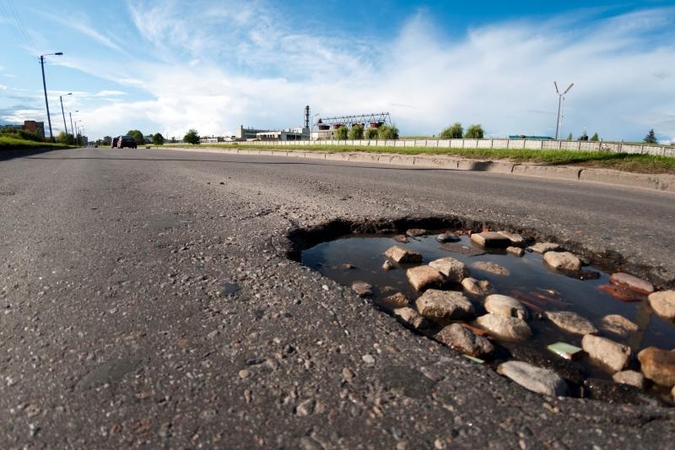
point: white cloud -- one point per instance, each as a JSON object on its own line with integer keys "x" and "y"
{"x": 219, "y": 67}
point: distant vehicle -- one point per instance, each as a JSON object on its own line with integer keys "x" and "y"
{"x": 113, "y": 144}
{"x": 126, "y": 141}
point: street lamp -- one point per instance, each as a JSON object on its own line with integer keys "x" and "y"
{"x": 44, "y": 85}
{"x": 560, "y": 96}
{"x": 64, "y": 114}
{"x": 71, "y": 123}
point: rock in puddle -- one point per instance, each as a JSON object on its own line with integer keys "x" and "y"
{"x": 447, "y": 237}
{"x": 544, "y": 247}
{"x": 621, "y": 292}
{"x": 504, "y": 305}
{"x": 632, "y": 282}
{"x": 402, "y": 255}
{"x": 490, "y": 267}
{"x": 658, "y": 365}
{"x": 477, "y": 287}
{"x": 562, "y": 261}
{"x": 663, "y": 303}
{"x": 619, "y": 325}
{"x": 459, "y": 338}
{"x": 535, "y": 379}
{"x": 425, "y": 277}
{"x": 411, "y": 318}
{"x": 490, "y": 239}
{"x": 610, "y": 354}
{"x": 362, "y": 289}
{"x": 571, "y": 322}
{"x": 510, "y": 329}
{"x": 444, "y": 305}
{"x": 630, "y": 377}
{"x": 453, "y": 270}
{"x": 569, "y": 370}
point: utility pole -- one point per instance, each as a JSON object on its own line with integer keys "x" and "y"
{"x": 44, "y": 85}
{"x": 560, "y": 96}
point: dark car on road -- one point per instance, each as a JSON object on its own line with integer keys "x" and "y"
{"x": 126, "y": 141}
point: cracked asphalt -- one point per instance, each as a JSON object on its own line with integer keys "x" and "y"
{"x": 147, "y": 300}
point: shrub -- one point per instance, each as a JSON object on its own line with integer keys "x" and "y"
{"x": 454, "y": 131}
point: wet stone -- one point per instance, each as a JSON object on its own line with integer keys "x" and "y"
{"x": 632, "y": 282}
{"x": 504, "y": 305}
{"x": 444, "y": 305}
{"x": 459, "y": 338}
{"x": 490, "y": 239}
{"x": 397, "y": 300}
{"x": 621, "y": 293}
{"x": 619, "y": 325}
{"x": 453, "y": 270}
{"x": 663, "y": 303}
{"x": 491, "y": 267}
{"x": 515, "y": 238}
{"x": 515, "y": 251}
{"x": 610, "y": 354}
{"x": 461, "y": 249}
{"x": 416, "y": 232}
{"x": 544, "y": 247}
{"x": 447, "y": 237}
{"x": 535, "y": 379}
{"x": 477, "y": 287}
{"x": 658, "y": 365}
{"x": 401, "y": 255}
{"x": 509, "y": 329}
{"x": 630, "y": 377}
{"x": 362, "y": 288}
{"x": 571, "y": 322}
{"x": 562, "y": 261}
{"x": 411, "y": 317}
{"x": 425, "y": 277}
{"x": 569, "y": 370}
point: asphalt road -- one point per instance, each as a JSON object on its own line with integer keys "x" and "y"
{"x": 147, "y": 300}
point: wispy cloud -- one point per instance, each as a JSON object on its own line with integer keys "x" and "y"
{"x": 221, "y": 66}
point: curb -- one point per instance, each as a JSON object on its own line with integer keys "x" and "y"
{"x": 659, "y": 182}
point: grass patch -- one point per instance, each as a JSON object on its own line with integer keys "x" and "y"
{"x": 8, "y": 143}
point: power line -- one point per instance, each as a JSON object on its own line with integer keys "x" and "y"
{"x": 12, "y": 16}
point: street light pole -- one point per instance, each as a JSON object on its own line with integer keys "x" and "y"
{"x": 64, "y": 114}
{"x": 71, "y": 123}
{"x": 560, "y": 96}
{"x": 44, "y": 85}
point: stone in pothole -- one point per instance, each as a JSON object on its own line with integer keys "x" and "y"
{"x": 562, "y": 261}
{"x": 411, "y": 317}
{"x": 618, "y": 324}
{"x": 362, "y": 289}
{"x": 490, "y": 239}
{"x": 663, "y": 303}
{"x": 544, "y": 247}
{"x": 401, "y": 255}
{"x": 610, "y": 354}
{"x": 477, "y": 287}
{"x": 447, "y": 237}
{"x": 658, "y": 365}
{"x": 424, "y": 277}
{"x": 503, "y": 328}
{"x": 444, "y": 305}
{"x": 491, "y": 267}
{"x": 504, "y": 305}
{"x": 459, "y": 338}
{"x": 633, "y": 283}
{"x": 397, "y": 300}
{"x": 571, "y": 322}
{"x": 453, "y": 270}
{"x": 535, "y": 379}
{"x": 630, "y": 377}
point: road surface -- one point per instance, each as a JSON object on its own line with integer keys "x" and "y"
{"x": 147, "y": 300}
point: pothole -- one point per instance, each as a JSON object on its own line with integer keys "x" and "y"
{"x": 552, "y": 319}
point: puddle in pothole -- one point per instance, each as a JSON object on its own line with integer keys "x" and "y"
{"x": 540, "y": 289}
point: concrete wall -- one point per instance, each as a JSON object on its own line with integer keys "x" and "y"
{"x": 532, "y": 144}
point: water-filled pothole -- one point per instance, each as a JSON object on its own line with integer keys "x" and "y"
{"x": 619, "y": 315}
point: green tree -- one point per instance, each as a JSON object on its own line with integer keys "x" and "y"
{"x": 570, "y": 137}
{"x": 137, "y": 135}
{"x": 595, "y": 137}
{"x": 474, "y": 132}
{"x": 157, "y": 139}
{"x": 372, "y": 133}
{"x": 651, "y": 137}
{"x": 387, "y": 132}
{"x": 107, "y": 140}
{"x": 356, "y": 132}
{"x": 62, "y": 138}
{"x": 341, "y": 133}
{"x": 192, "y": 137}
{"x": 584, "y": 136}
{"x": 454, "y": 131}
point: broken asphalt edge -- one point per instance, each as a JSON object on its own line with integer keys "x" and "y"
{"x": 659, "y": 182}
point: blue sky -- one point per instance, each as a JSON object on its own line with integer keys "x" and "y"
{"x": 171, "y": 65}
